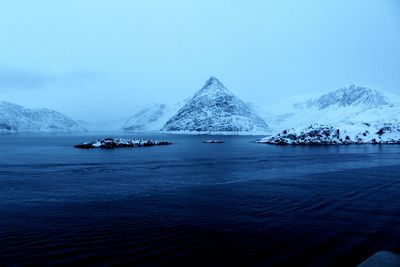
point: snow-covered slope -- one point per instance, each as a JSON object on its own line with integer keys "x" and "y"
{"x": 151, "y": 118}
{"x": 343, "y": 134}
{"x": 352, "y": 115}
{"x": 384, "y": 113}
{"x": 104, "y": 125}
{"x": 349, "y": 104}
{"x": 15, "y": 118}
{"x": 214, "y": 109}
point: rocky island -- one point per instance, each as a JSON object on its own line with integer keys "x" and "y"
{"x": 121, "y": 142}
{"x": 347, "y": 134}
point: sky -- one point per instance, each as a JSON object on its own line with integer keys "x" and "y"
{"x": 101, "y": 59}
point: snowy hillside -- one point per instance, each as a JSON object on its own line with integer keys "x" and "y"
{"x": 342, "y": 134}
{"x": 385, "y": 113}
{"x": 15, "y": 118}
{"x": 151, "y": 118}
{"x": 214, "y": 109}
{"x": 350, "y": 104}
{"x": 352, "y": 115}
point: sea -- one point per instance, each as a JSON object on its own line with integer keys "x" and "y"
{"x": 238, "y": 203}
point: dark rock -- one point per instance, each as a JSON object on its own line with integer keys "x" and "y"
{"x": 383, "y": 130}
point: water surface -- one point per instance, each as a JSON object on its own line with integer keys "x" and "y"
{"x": 232, "y": 204}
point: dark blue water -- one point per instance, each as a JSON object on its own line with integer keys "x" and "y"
{"x": 189, "y": 204}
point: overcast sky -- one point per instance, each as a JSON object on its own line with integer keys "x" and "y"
{"x": 89, "y": 58}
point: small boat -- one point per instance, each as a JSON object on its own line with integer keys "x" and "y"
{"x": 214, "y": 142}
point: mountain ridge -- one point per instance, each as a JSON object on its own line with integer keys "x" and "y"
{"x": 351, "y": 96}
{"x": 17, "y": 118}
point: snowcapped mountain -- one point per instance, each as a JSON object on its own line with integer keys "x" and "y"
{"x": 352, "y": 115}
{"x": 349, "y": 104}
{"x": 352, "y": 96}
{"x": 214, "y": 109}
{"x": 15, "y": 118}
{"x": 151, "y": 118}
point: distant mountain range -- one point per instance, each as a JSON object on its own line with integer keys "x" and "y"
{"x": 216, "y": 110}
{"x": 15, "y": 118}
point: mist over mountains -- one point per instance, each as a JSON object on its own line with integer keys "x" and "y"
{"x": 356, "y": 104}
{"x": 214, "y": 109}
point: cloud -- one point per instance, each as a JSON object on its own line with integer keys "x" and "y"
{"x": 21, "y": 79}
{"x": 12, "y": 78}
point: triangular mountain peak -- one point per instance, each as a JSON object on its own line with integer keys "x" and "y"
{"x": 215, "y": 109}
{"x": 213, "y": 86}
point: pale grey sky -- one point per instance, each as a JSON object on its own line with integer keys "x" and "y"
{"x": 89, "y": 58}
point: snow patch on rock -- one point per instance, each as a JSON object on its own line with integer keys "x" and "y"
{"x": 121, "y": 142}
{"x": 344, "y": 134}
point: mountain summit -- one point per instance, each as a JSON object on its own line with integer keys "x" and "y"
{"x": 215, "y": 109}
{"x": 351, "y": 96}
{"x": 213, "y": 88}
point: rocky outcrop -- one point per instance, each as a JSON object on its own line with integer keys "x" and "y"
{"x": 214, "y": 142}
{"x": 386, "y": 133}
{"x": 121, "y": 142}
